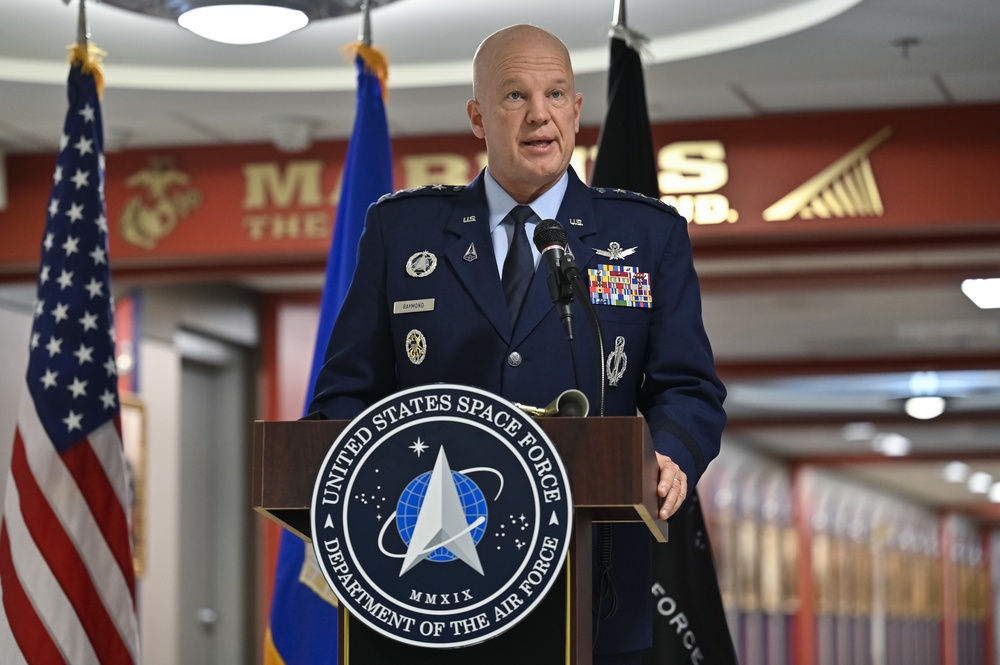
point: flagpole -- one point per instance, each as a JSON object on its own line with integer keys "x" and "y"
{"x": 82, "y": 32}
{"x": 617, "y": 20}
{"x": 302, "y": 626}
{"x": 68, "y": 573}
{"x": 683, "y": 568}
{"x": 365, "y": 36}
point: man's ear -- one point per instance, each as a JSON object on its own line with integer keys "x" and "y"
{"x": 475, "y": 118}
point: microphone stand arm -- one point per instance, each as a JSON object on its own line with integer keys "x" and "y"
{"x": 562, "y": 295}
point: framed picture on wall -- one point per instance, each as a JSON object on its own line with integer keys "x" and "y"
{"x": 133, "y": 416}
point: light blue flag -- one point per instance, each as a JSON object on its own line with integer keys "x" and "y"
{"x": 303, "y": 625}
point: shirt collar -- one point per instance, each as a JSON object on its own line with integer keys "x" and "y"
{"x": 500, "y": 202}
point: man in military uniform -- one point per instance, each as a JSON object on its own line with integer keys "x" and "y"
{"x": 436, "y": 298}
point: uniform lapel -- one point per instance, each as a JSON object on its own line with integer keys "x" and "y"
{"x": 469, "y": 227}
{"x": 576, "y": 214}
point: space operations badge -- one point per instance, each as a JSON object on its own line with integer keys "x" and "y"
{"x": 441, "y": 516}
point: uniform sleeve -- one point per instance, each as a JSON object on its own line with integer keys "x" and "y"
{"x": 681, "y": 396}
{"x": 359, "y": 368}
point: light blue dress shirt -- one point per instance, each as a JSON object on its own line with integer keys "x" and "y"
{"x": 501, "y": 203}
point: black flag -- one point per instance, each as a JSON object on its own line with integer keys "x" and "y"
{"x": 625, "y": 146}
{"x": 689, "y": 621}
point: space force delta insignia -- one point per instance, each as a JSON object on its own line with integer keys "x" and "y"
{"x": 421, "y": 264}
{"x": 441, "y": 516}
{"x": 623, "y": 286}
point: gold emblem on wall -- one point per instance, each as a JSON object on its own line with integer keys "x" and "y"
{"x": 153, "y": 215}
{"x": 312, "y": 577}
{"x": 846, "y": 188}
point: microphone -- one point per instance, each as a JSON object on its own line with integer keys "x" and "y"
{"x": 550, "y": 239}
{"x": 564, "y": 280}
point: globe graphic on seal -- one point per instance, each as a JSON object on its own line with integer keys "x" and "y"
{"x": 472, "y": 500}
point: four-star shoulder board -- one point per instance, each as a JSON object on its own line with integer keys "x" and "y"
{"x": 625, "y": 194}
{"x": 422, "y": 189}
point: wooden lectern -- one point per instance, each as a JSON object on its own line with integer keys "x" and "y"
{"x": 609, "y": 460}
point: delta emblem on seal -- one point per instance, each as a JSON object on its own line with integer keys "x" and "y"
{"x": 441, "y": 516}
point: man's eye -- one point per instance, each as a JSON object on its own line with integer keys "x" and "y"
{"x": 515, "y": 96}
{"x": 556, "y": 94}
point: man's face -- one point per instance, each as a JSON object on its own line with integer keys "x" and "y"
{"x": 527, "y": 110}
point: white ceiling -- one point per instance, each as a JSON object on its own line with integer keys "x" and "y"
{"x": 706, "y": 60}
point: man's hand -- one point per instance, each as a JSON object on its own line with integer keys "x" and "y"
{"x": 672, "y": 486}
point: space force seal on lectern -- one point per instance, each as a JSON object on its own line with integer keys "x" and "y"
{"x": 441, "y": 516}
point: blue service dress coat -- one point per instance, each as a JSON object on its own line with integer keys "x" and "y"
{"x": 399, "y": 329}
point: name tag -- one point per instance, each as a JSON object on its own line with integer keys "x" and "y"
{"x": 412, "y": 306}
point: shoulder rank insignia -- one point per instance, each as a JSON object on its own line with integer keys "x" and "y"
{"x": 421, "y": 264}
{"x": 615, "y": 251}
{"x": 422, "y": 190}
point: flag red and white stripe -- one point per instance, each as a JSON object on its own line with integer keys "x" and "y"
{"x": 67, "y": 584}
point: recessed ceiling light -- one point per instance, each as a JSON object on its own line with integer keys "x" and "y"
{"x": 980, "y": 482}
{"x": 858, "y": 431}
{"x": 891, "y": 444}
{"x": 956, "y": 472}
{"x": 994, "y": 493}
{"x": 984, "y": 292}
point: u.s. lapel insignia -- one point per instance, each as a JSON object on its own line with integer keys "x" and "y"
{"x": 617, "y": 362}
{"x": 573, "y": 221}
{"x": 615, "y": 251}
{"x": 421, "y": 264}
{"x": 416, "y": 346}
{"x": 470, "y": 254}
{"x": 469, "y": 219}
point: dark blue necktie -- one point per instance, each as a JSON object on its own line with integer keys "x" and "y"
{"x": 519, "y": 266}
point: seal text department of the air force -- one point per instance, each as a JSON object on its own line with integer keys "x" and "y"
{"x": 441, "y": 516}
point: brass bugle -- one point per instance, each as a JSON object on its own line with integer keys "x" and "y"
{"x": 569, "y": 403}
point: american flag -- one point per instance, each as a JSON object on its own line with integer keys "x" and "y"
{"x": 66, "y": 575}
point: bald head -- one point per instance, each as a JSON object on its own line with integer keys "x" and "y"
{"x": 498, "y": 48}
{"x": 526, "y": 108}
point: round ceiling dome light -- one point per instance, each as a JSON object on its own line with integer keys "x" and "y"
{"x": 245, "y": 21}
{"x": 924, "y": 407}
{"x": 242, "y": 24}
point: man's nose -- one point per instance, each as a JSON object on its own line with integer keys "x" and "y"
{"x": 538, "y": 110}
